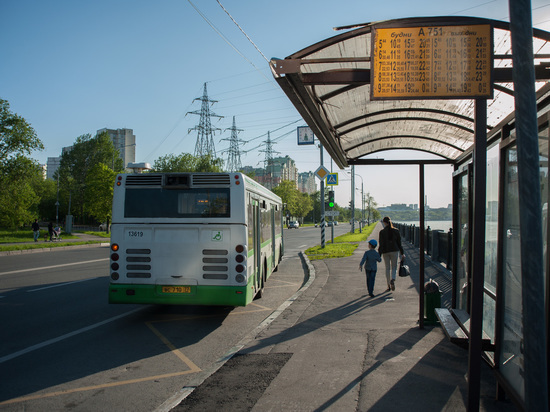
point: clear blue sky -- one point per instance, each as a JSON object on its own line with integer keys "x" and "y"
{"x": 73, "y": 67}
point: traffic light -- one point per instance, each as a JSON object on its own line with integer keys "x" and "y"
{"x": 331, "y": 199}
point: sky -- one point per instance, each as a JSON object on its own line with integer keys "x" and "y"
{"x": 74, "y": 67}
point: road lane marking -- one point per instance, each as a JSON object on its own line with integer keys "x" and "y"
{"x": 66, "y": 336}
{"x": 52, "y": 267}
{"x": 61, "y": 284}
{"x": 91, "y": 388}
{"x": 192, "y": 367}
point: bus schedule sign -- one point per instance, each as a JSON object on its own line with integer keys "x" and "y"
{"x": 442, "y": 62}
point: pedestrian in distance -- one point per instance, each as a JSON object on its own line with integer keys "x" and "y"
{"x": 36, "y": 230}
{"x": 390, "y": 247}
{"x": 50, "y": 230}
{"x": 370, "y": 258}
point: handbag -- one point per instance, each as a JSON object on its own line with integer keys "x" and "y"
{"x": 404, "y": 270}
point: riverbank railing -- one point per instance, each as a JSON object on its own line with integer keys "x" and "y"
{"x": 438, "y": 244}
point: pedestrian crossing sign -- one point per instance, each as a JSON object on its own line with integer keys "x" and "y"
{"x": 332, "y": 179}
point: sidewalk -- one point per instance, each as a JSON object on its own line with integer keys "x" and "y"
{"x": 335, "y": 348}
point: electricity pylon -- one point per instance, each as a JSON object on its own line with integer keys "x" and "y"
{"x": 268, "y": 162}
{"x": 205, "y": 136}
{"x": 234, "y": 155}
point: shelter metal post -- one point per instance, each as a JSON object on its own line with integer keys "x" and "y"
{"x": 352, "y": 199}
{"x": 478, "y": 254}
{"x": 422, "y": 257}
{"x": 530, "y": 214}
{"x": 322, "y": 204}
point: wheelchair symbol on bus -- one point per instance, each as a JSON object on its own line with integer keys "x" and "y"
{"x": 217, "y": 236}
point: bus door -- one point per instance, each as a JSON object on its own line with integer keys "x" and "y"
{"x": 257, "y": 242}
{"x": 273, "y": 245}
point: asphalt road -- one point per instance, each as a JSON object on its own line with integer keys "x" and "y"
{"x": 62, "y": 346}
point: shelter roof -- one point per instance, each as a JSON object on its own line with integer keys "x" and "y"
{"x": 329, "y": 83}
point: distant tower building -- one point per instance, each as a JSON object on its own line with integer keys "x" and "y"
{"x": 288, "y": 170}
{"x": 306, "y": 183}
{"x": 124, "y": 141}
{"x": 205, "y": 137}
{"x": 54, "y": 162}
{"x": 52, "y": 166}
{"x": 234, "y": 155}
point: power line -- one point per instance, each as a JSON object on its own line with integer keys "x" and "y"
{"x": 225, "y": 38}
{"x": 243, "y": 32}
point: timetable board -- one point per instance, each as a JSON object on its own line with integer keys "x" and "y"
{"x": 442, "y": 62}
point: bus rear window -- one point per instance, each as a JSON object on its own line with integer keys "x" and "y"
{"x": 188, "y": 203}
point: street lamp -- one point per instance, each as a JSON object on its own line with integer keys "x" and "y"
{"x": 352, "y": 203}
{"x": 57, "y": 203}
{"x": 362, "y": 206}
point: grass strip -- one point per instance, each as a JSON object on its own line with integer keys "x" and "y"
{"x": 14, "y": 236}
{"x": 48, "y": 245}
{"x": 98, "y": 234}
{"x": 343, "y": 245}
{"x": 331, "y": 250}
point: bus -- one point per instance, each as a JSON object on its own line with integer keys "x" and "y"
{"x": 193, "y": 239}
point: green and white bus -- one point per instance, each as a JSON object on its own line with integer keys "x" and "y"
{"x": 193, "y": 239}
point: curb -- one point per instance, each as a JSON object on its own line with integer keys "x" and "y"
{"x": 51, "y": 249}
{"x": 184, "y": 392}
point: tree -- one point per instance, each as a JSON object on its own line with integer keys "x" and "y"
{"x": 370, "y": 207}
{"x": 18, "y": 204}
{"x": 77, "y": 164}
{"x": 297, "y": 203}
{"x": 17, "y": 137}
{"x": 99, "y": 192}
{"x": 18, "y": 173}
{"x": 46, "y": 191}
{"x": 186, "y": 162}
{"x": 287, "y": 191}
{"x": 303, "y": 205}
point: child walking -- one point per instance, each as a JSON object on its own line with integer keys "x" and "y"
{"x": 370, "y": 258}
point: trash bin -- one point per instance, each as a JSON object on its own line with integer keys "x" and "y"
{"x": 432, "y": 300}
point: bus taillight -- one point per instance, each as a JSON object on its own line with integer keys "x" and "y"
{"x": 114, "y": 247}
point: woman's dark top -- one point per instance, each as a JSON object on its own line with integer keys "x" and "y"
{"x": 390, "y": 240}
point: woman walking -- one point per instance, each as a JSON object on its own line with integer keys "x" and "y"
{"x": 390, "y": 247}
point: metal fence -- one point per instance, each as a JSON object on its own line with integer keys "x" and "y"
{"x": 438, "y": 244}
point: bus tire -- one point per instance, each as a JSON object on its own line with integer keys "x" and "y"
{"x": 262, "y": 282}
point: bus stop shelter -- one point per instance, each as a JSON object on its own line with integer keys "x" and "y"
{"x": 452, "y": 87}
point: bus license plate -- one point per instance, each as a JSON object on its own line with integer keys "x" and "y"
{"x": 176, "y": 289}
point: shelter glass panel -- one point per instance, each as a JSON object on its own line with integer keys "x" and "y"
{"x": 463, "y": 270}
{"x": 511, "y": 355}
{"x": 511, "y": 358}
{"x": 491, "y": 241}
